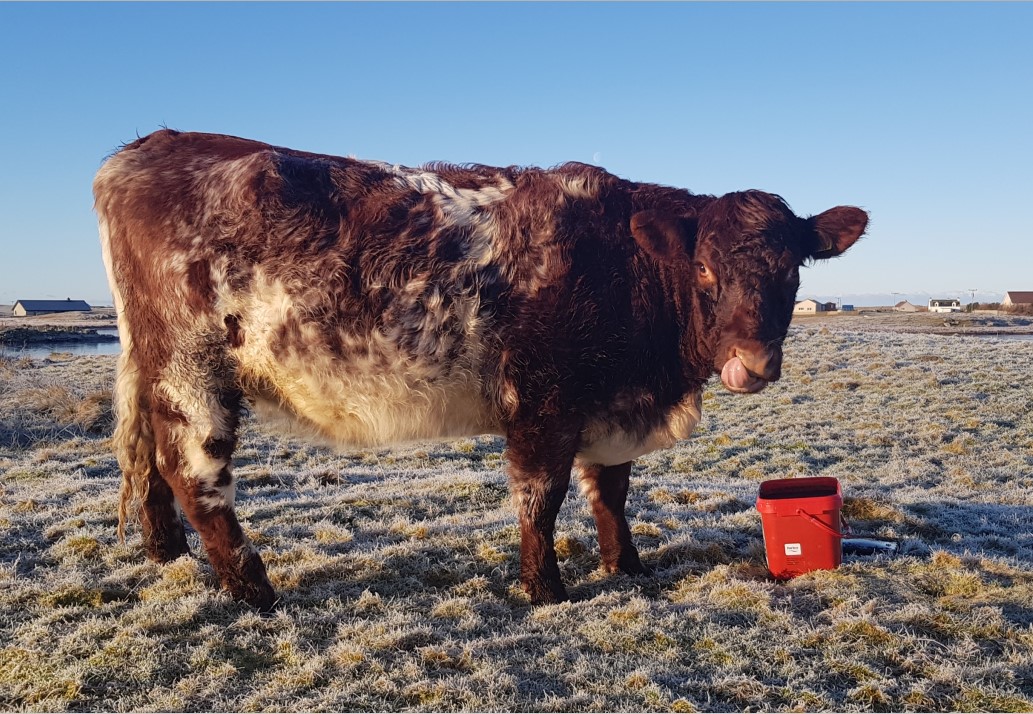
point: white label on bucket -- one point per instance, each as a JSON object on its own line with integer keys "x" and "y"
{"x": 793, "y": 549}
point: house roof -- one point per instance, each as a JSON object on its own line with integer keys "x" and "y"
{"x": 53, "y": 305}
{"x": 1021, "y": 297}
{"x": 940, "y": 301}
{"x": 902, "y": 303}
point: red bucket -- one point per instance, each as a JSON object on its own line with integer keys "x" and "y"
{"x": 801, "y": 525}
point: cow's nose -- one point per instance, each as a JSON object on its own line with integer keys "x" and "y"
{"x": 763, "y": 362}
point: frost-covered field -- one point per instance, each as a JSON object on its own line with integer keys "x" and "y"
{"x": 398, "y": 567}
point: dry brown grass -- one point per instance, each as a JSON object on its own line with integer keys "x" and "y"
{"x": 91, "y": 413}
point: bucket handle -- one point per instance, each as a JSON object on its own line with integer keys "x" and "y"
{"x": 828, "y": 529}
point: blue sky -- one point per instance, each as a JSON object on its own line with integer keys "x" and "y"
{"x": 921, "y": 113}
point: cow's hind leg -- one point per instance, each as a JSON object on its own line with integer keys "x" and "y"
{"x": 606, "y": 488}
{"x": 143, "y": 486}
{"x": 164, "y": 537}
{"x": 195, "y": 437}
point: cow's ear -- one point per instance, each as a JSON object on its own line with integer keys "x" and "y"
{"x": 835, "y": 230}
{"x": 668, "y": 238}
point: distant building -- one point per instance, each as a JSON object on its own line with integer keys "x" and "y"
{"x": 944, "y": 305}
{"x": 1017, "y": 297}
{"x": 847, "y": 308}
{"x": 808, "y": 307}
{"x": 27, "y": 308}
{"x": 905, "y": 306}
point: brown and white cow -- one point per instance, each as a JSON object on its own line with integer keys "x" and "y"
{"x": 577, "y": 314}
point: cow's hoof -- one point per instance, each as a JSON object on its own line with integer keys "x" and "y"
{"x": 167, "y": 548}
{"x": 260, "y": 596}
{"x": 629, "y": 566}
{"x": 545, "y": 593}
{"x": 251, "y": 584}
{"x": 628, "y": 563}
{"x": 264, "y": 600}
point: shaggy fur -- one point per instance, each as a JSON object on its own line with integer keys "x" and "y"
{"x": 575, "y": 313}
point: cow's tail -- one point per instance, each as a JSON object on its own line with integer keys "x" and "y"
{"x": 133, "y": 441}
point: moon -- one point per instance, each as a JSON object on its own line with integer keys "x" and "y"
{"x": 597, "y": 158}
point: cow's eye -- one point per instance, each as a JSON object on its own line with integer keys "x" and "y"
{"x": 705, "y": 279}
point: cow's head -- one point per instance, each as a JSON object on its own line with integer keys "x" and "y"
{"x": 736, "y": 266}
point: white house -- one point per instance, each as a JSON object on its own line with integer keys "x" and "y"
{"x": 808, "y": 307}
{"x": 944, "y": 305}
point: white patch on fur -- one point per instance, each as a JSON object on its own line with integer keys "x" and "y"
{"x": 204, "y": 471}
{"x": 589, "y": 487}
{"x": 578, "y": 186}
{"x": 183, "y": 384}
{"x": 381, "y": 394}
{"x": 430, "y": 182}
{"x": 607, "y": 444}
{"x": 460, "y": 207}
{"x": 218, "y": 497}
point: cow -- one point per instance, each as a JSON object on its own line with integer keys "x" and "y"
{"x": 578, "y": 314}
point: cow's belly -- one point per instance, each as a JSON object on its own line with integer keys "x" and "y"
{"x": 605, "y": 442}
{"x": 377, "y": 396}
{"x": 360, "y": 413}
{"x": 359, "y": 409}
{"x": 419, "y": 379}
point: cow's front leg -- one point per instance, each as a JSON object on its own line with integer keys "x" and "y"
{"x": 539, "y": 475}
{"x": 606, "y": 488}
{"x": 538, "y": 496}
{"x": 235, "y": 561}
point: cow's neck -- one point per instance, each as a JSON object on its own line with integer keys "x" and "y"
{"x": 685, "y": 318}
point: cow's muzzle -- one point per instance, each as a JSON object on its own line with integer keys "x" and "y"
{"x": 747, "y": 370}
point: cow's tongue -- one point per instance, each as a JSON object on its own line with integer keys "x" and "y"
{"x": 735, "y": 377}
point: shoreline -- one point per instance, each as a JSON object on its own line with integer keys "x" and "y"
{"x": 50, "y": 334}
